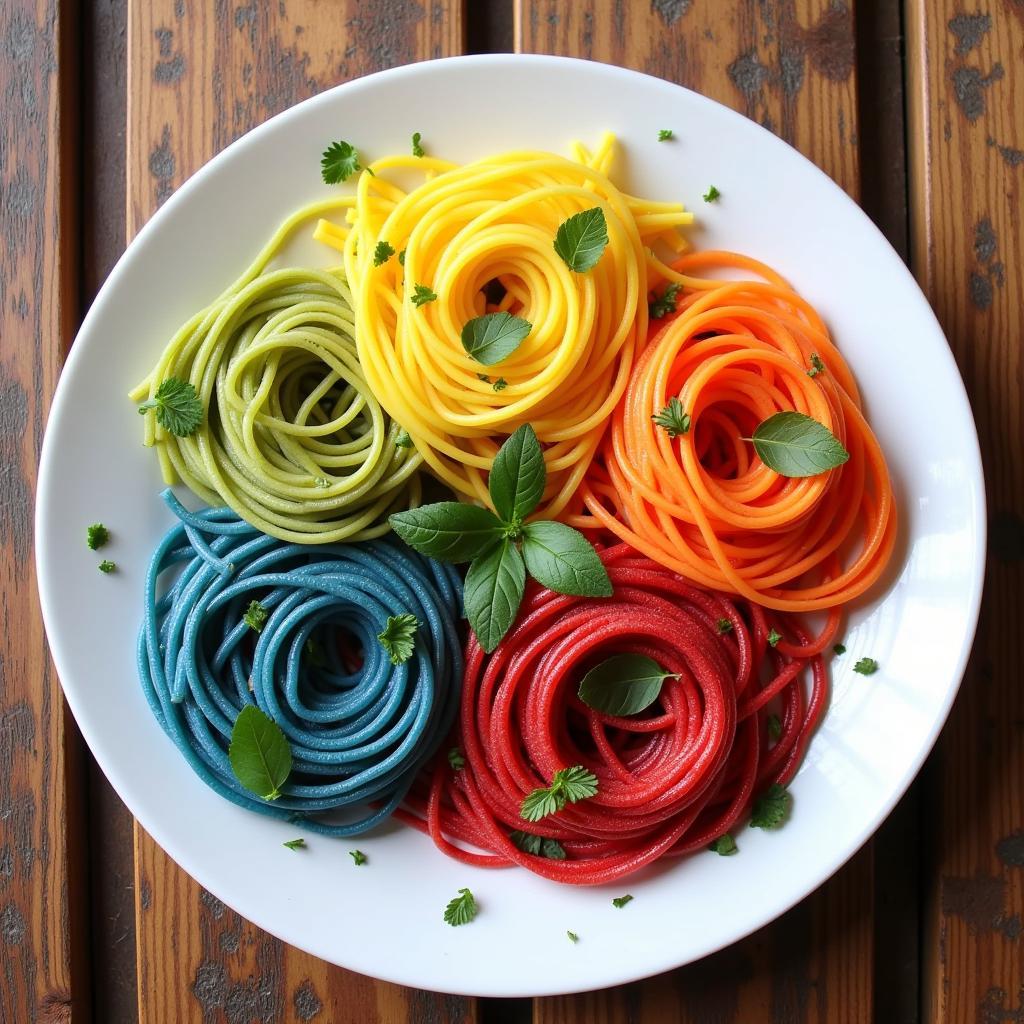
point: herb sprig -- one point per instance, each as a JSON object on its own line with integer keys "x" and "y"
{"x": 568, "y": 785}
{"x": 177, "y": 406}
{"x": 461, "y": 910}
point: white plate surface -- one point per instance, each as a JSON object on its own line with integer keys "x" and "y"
{"x": 385, "y": 919}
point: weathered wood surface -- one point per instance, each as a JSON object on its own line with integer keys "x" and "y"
{"x": 966, "y": 69}
{"x": 43, "y": 962}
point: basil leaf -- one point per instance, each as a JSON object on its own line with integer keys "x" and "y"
{"x": 794, "y": 445}
{"x": 580, "y": 240}
{"x": 448, "y": 530}
{"x": 494, "y": 587}
{"x": 259, "y": 753}
{"x": 518, "y": 475}
{"x": 562, "y": 559}
{"x": 495, "y": 336}
{"x": 623, "y": 685}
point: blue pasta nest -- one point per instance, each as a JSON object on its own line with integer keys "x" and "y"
{"x": 359, "y": 727}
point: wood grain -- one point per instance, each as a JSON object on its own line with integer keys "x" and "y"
{"x": 43, "y": 966}
{"x": 788, "y": 64}
{"x": 966, "y": 76}
{"x": 199, "y": 75}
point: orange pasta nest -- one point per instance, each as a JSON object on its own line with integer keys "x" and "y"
{"x": 703, "y": 503}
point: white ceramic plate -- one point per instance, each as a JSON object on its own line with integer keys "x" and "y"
{"x": 385, "y": 918}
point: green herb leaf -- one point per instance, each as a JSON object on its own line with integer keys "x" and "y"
{"x": 839, "y": 648}
{"x": 178, "y": 407}
{"x": 724, "y": 626}
{"x": 621, "y": 901}
{"x": 724, "y": 845}
{"x": 382, "y": 253}
{"x": 666, "y": 304}
{"x": 461, "y": 910}
{"x": 259, "y": 753}
{"x": 448, "y": 530}
{"x": 494, "y": 336}
{"x": 562, "y": 559}
{"x": 500, "y": 384}
{"x": 401, "y": 258}
{"x": 711, "y": 195}
{"x": 624, "y": 684}
{"x": 817, "y": 366}
{"x": 403, "y": 440}
{"x": 774, "y": 727}
{"x": 399, "y": 637}
{"x": 664, "y": 134}
{"x": 107, "y": 566}
{"x": 96, "y": 536}
{"x": 456, "y": 759}
{"x": 357, "y": 856}
{"x": 794, "y": 445}
{"x": 338, "y": 163}
{"x": 866, "y": 666}
{"x": 494, "y": 587}
{"x": 421, "y": 295}
{"x": 295, "y": 844}
{"x": 417, "y": 149}
{"x": 322, "y": 482}
{"x": 538, "y": 846}
{"x": 771, "y": 807}
{"x": 483, "y": 377}
{"x": 581, "y": 239}
{"x": 774, "y": 636}
{"x": 518, "y": 475}
{"x": 568, "y": 785}
{"x": 255, "y": 616}
{"x": 573, "y": 937}
{"x": 673, "y": 418}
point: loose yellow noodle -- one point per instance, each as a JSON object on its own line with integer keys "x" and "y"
{"x": 460, "y": 230}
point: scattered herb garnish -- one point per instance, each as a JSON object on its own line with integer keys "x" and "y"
{"x": 401, "y": 258}
{"x": 403, "y": 440}
{"x": 96, "y": 535}
{"x": 494, "y": 336}
{"x": 724, "y": 626}
{"x": 255, "y": 616}
{"x": 460, "y": 910}
{"x": 398, "y": 637}
{"x": 774, "y": 636}
{"x": 417, "y": 149}
{"x": 817, "y": 366}
{"x": 501, "y": 548}
{"x": 771, "y": 807}
{"x": 621, "y": 901}
{"x": 339, "y": 162}
{"x": 666, "y": 304}
{"x": 711, "y": 195}
{"x": 295, "y": 844}
{"x": 421, "y": 295}
{"x": 483, "y": 377}
{"x": 500, "y": 384}
{"x": 383, "y": 252}
{"x": 581, "y": 239}
{"x": 569, "y": 785}
{"x": 322, "y": 482}
{"x": 664, "y": 134}
{"x": 866, "y": 666}
{"x": 178, "y": 407}
{"x": 538, "y": 846}
{"x": 259, "y": 753}
{"x": 107, "y": 566}
{"x": 774, "y": 727}
{"x": 673, "y": 419}
{"x": 357, "y": 856}
{"x": 724, "y": 845}
{"x": 624, "y": 684}
{"x": 839, "y": 648}
{"x": 456, "y": 759}
{"x": 573, "y": 937}
{"x": 794, "y": 445}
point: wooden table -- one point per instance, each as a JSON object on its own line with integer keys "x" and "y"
{"x": 918, "y": 113}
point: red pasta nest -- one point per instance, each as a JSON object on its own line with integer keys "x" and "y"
{"x": 671, "y": 779}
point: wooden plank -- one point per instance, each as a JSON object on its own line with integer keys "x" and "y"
{"x": 43, "y": 971}
{"x": 199, "y": 75}
{"x": 966, "y": 91}
{"x": 788, "y": 64}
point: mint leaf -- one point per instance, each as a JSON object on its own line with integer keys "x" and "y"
{"x": 456, "y": 759}
{"x": 724, "y": 845}
{"x": 711, "y": 195}
{"x": 538, "y": 846}
{"x": 567, "y": 785}
{"x": 774, "y": 636}
{"x": 573, "y": 937}
{"x": 448, "y": 530}
{"x": 494, "y": 336}
{"x": 338, "y": 163}
{"x": 259, "y": 753}
{"x": 866, "y": 666}
{"x": 518, "y": 475}
{"x": 107, "y": 566}
{"x": 839, "y": 648}
{"x": 771, "y": 808}
{"x": 358, "y": 857}
{"x": 421, "y": 295}
{"x": 794, "y": 445}
{"x": 255, "y": 616}
{"x": 178, "y": 407}
{"x": 673, "y": 419}
{"x": 460, "y": 910}
{"x": 417, "y": 149}
{"x": 581, "y": 239}
{"x": 624, "y": 684}
{"x": 295, "y": 844}
{"x": 398, "y": 637}
{"x": 666, "y": 304}
{"x": 562, "y": 559}
{"x": 621, "y": 901}
{"x": 664, "y": 134}
{"x": 494, "y": 587}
